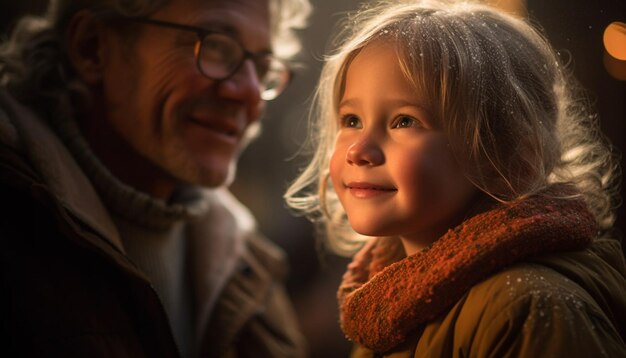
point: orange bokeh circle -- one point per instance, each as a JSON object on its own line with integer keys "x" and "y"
{"x": 615, "y": 40}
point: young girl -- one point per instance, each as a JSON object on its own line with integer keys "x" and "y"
{"x": 450, "y": 142}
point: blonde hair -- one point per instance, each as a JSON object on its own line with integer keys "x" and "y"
{"x": 34, "y": 66}
{"x": 500, "y": 93}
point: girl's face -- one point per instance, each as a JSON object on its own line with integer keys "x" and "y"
{"x": 391, "y": 167}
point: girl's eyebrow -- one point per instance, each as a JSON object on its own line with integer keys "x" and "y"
{"x": 400, "y": 102}
{"x": 350, "y": 102}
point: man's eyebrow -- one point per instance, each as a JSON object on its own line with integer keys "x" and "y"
{"x": 219, "y": 26}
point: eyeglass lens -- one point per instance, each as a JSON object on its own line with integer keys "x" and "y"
{"x": 220, "y": 56}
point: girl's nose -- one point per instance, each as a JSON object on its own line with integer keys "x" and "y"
{"x": 364, "y": 152}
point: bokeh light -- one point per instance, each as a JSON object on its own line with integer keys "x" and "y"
{"x": 616, "y": 68}
{"x": 615, "y": 40}
{"x": 615, "y": 50}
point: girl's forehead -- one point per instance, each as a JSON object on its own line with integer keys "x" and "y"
{"x": 375, "y": 81}
{"x": 384, "y": 57}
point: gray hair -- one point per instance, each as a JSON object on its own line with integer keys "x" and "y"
{"x": 35, "y": 68}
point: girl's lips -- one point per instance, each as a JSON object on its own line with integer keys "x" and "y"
{"x": 364, "y": 190}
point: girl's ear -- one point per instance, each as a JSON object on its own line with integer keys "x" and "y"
{"x": 86, "y": 42}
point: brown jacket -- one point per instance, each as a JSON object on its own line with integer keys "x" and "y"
{"x": 68, "y": 289}
{"x": 559, "y": 304}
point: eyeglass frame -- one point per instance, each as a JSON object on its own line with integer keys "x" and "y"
{"x": 202, "y": 33}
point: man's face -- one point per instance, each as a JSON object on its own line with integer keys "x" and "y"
{"x": 186, "y": 125}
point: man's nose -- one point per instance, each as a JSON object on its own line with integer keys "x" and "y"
{"x": 365, "y": 152}
{"x": 243, "y": 86}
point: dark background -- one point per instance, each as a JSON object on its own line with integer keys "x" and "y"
{"x": 575, "y": 28}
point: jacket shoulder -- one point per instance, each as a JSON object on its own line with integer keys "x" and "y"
{"x": 257, "y": 247}
{"x": 532, "y": 310}
{"x": 253, "y": 316}
{"x": 270, "y": 255}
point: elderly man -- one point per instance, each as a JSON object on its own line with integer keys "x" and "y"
{"x": 120, "y": 124}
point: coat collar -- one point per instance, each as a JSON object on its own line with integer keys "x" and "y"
{"x": 380, "y": 313}
{"x": 26, "y": 132}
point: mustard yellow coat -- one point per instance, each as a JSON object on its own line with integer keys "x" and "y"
{"x": 568, "y": 305}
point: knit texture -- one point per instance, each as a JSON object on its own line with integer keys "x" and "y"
{"x": 380, "y": 313}
{"x": 153, "y": 232}
{"x": 127, "y": 202}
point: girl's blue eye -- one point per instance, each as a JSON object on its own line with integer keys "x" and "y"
{"x": 350, "y": 121}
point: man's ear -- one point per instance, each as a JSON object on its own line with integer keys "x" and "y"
{"x": 86, "y": 41}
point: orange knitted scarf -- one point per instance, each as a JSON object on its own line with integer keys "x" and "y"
{"x": 398, "y": 298}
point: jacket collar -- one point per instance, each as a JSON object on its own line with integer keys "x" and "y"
{"x": 51, "y": 159}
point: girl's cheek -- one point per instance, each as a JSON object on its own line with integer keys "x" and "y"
{"x": 338, "y": 163}
{"x": 335, "y": 165}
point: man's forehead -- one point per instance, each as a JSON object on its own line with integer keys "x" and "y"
{"x": 248, "y": 20}
{"x": 258, "y": 8}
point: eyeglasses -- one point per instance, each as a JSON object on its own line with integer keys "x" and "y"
{"x": 219, "y": 56}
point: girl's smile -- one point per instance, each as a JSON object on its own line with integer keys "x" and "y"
{"x": 364, "y": 190}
